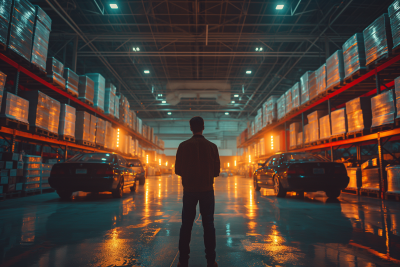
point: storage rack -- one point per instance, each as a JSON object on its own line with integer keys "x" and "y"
{"x": 360, "y": 84}
{"x": 22, "y": 75}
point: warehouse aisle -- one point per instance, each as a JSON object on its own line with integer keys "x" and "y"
{"x": 253, "y": 229}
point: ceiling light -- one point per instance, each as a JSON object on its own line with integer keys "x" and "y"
{"x": 256, "y": 48}
{"x": 279, "y": 7}
{"x": 248, "y": 71}
{"x": 137, "y": 49}
{"x": 226, "y": 113}
{"x": 146, "y": 71}
{"x": 236, "y": 95}
{"x": 233, "y": 101}
{"x": 134, "y": 49}
{"x": 163, "y": 101}
{"x": 169, "y": 113}
{"x": 159, "y": 94}
{"x": 114, "y": 6}
{"x": 261, "y": 49}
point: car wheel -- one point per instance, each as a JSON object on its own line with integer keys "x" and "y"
{"x": 117, "y": 193}
{"x": 278, "y": 189}
{"x": 64, "y": 195}
{"x": 333, "y": 193}
{"x": 142, "y": 181}
{"x": 256, "y": 186}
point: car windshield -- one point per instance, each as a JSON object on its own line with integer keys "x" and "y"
{"x": 96, "y": 157}
{"x": 301, "y": 157}
{"x": 135, "y": 163}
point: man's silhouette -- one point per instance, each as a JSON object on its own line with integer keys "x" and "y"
{"x": 197, "y": 162}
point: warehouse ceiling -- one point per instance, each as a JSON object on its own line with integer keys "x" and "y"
{"x": 251, "y": 46}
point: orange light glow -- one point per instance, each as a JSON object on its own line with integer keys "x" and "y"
{"x": 235, "y": 163}
{"x": 159, "y": 162}
{"x": 249, "y": 158}
{"x": 147, "y": 158}
{"x": 228, "y": 164}
{"x": 272, "y": 142}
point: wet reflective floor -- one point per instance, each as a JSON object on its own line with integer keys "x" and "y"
{"x": 253, "y": 228}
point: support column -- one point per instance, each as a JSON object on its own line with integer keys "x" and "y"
{"x": 75, "y": 54}
{"x": 302, "y": 128}
{"x": 358, "y": 153}
{"x": 378, "y": 84}
{"x": 382, "y": 176}
{"x": 285, "y": 139}
{"x": 13, "y": 141}
{"x": 329, "y": 112}
{"x": 16, "y": 82}
{"x": 332, "y": 154}
{"x": 66, "y": 153}
{"x": 41, "y": 150}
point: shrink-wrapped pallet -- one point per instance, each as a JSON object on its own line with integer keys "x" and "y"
{"x": 124, "y": 110}
{"x": 312, "y": 85}
{"x": 293, "y": 130}
{"x": 21, "y": 28}
{"x": 296, "y": 95}
{"x": 339, "y": 121}
{"x": 354, "y": 54}
{"x": 100, "y": 132}
{"x": 258, "y": 121}
{"x": 358, "y": 113}
{"x": 139, "y": 126}
{"x": 288, "y": 101}
{"x": 393, "y": 179}
{"x": 307, "y": 136}
{"x": 383, "y": 108}
{"x": 334, "y": 69}
{"x": 299, "y": 141}
{"x": 264, "y": 114}
{"x": 55, "y": 71}
{"x": 86, "y": 89}
{"x": 370, "y": 179}
{"x": 304, "y": 87}
{"x": 320, "y": 75}
{"x": 313, "y": 124}
{"x": 92, "y": 130}
{"x": 109, "y": 99}
{"x": 67, "y": 121}
{"x": 253, "y": 128}
{"x": 54, "y": 115}
{"x": 281, "y": 106}
{"x": 14, "y": 107}
{"x": 394, "y": 16}
{"x": 108, "y": 135}
{"x": 3, "y": 79}
{"x": 99, "y": 89}
{"x": 71, "y": 82}
{"x": 272, "y": 109}
{"x": 397, "y": 95}
{"x": 354, "y": 174}
{"x": 324, "y": 127}
{"x": 41, "y": 37}
{"x": 5, "y": 16}
{"x": 82, "y": 126}
{"x": 377, "y": 39}
{"x": 116, "y": 107}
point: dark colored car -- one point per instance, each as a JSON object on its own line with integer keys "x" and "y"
{"x": 137, "y": 166}
{"x": 92, "y": 172}
{"x": 301, "y": 172}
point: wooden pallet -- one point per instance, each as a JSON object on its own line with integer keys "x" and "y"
{"x": 99, "y": 109}
{"x": 14, "y": 124}
{"x": 14, "y": 194}
{"x": 353, "y": 191}
{"x": 67, "y": 138}
{"x": 85, "y": 143}
{"x": 40, "y": 131}
{"x": 378, "y": 62}
{"x": 334, "y": 87}
{"x": 320, "y": 142}
{"x": 357, "y": 134}
{"x": 354, "y": 76}
{"x": 86, "y": 101}
{"x": 337, "y": 137}
{"x": 369, "y": 193}
{"x": 51, "y": 81}
{"x": 392, "y": 196}
{"x": 382, "y": 128}
{"x": 70, "y": 92}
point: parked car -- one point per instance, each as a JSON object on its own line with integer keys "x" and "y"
{"x": 301, "y": 172}
{"x": 92, "y": 172}
{"x": 137, "y": 166}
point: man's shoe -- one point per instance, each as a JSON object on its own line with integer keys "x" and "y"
{"x": 215, "y": 264}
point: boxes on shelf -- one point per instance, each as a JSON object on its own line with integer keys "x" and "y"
{"x": 5, "y": 17}
{"x": 307, "y": 136}
{"x": 335, "y": 69}
{"x": 264, "y": 114}
{"x": 124, "y": 108}
{"x": 86, "y": 89}
{"x": 54, "y": 115}
{"x": 294, "y": 131}
{"x": 296, "y": 95}
{"x": 394, "y": 17}
{"x": 272, "y": 109}
{"x": 312, "y": 85}
{"x": 41, "y": 37}
{"x": 99, "y": 89}
{"x": 133, "y": 115}
{"x": 397, "y": 95}
{"x": 71, "y": 82}
{"x": 313, "y": 124}
{"x": 82, "y": 126}
{"x": 258, "y": 120}
{"x": 320, "y": 75}
{"x": 393, "y": 179}
{"x": 21, "y": 28}
{"x": 281, "y": 107}
{"x": 339, "y": 121}
{"x": 304, "y": 87}
{"x": 67, "y": 121}
{"x": 3, "y": 78}
{"x": 354, "y": 54}
{"x": 32, "y": 172}
{"x": 354, "y": 174}
{"x": 100, "y": 132}
{"x": 108, "y": 135}
{"x": 324, "y": 127}
{"x": 383, "y": 108}
{"x": 109, "y": 99}
{"x": 92, "y": 130}
{"x": 370, "y": 179}
{"x": 55, "y": 71}
{"x": 116, "y": 107}
{"x": 44, "y": 181}
{"x": 139, "y": 125}
{"x": 378, "y": 39}
{"x": 358, "y": 113}
{"x": 288, "y": 101}
{"x": 299, "y": 141}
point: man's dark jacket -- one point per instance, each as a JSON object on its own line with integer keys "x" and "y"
{"x": 197, "y": 162}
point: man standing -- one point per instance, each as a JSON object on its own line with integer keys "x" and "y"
{"x": 197, "y": 162}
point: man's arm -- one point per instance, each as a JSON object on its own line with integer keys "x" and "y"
{"x": 178, "y": 161}
{"x": 217, "y": 166}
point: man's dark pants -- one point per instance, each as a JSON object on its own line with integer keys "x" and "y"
{"x": 207, "y": 205}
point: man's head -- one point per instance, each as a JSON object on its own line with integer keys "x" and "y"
{"x": 197, "y": 125}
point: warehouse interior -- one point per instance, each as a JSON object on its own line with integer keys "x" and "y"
{"x": 269, "y": 77}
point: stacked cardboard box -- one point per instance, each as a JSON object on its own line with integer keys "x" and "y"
{"x": 5, "y": 16}
{"x": 41, "y": 37}
{"x": 258, "y": 121}
{"x": 272, "y": 109}
{"x": 116, "y": 107}
{"x": 304, "y": 87}
{"x": 370, "y": 179}
{"x": 100, "y": 132}
{"x": 312, "y": 85}
{"x": 32, "y": 173}
{"x": 109, "y": 98}
{"x": 14, "y": 107}
{"x": 139, "y": 126}
{"x": 394, "y": 17}
{"x": 82, "y": 126}
{"x": 359, "y": 115}
{"x": 67, "y": 121}
{"x": 93, "y": 123}
{"x": 378, "y": 39}
{"x": 294, "y": 131}
{"x": 133, "y": 116}
{"x": 55, "y": 71}
{"x": 393, "y": 179}
{"x": 383, "y": 108}
{"x": 86, "y": 89}
{"x": 45, "y": 174}
{"x": 99, "y": 90}
{"x": 3, "y": 79}
{"x": 335, "y": 69}
{"x": 281, "y": 106}
{"x": 21, "y": 28}
{"x": 11, "y": 171}
{"x": 354, "y": 54}
{"x": 320, "y": 76}
{"x": 354, "y": 174}
{"x": 109, "y": 135}
{"x": 299, "y": 138}
{"x": 307, "y": 136}
{"x": 264, "y": 114}
{"x": 296, "y": 96}
{"x": 339, "y": 121}
{"x": 313, "y": 124}
{"x": 288, "y": 100}
{"x": 324, "y": 127}
{"x": 124, "y": 108}
{"x": 397, "y": 95}
{"x": 54, "y": 115}
{"x": 71, "y": 82}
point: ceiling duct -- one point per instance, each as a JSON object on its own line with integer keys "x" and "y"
{"x": 218, "y": 90}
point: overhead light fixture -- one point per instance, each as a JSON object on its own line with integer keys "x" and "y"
{"x": 279, "y": 7}
{"x": 226, "y": 113}
{"x": 159, "y": 95}
{"x": 163, "y": 101}
{"x": 248, "y": 71}
{"x": 256, "y": 48}
{"x": 169, "y": 113}
{"x": 261, "y": 49}
{"x": 236, "y": 95}
{"x": 146, "y": 71}
{"x": 114, "y": 6}
{"x": 233, "y": 101}
{"x": 137, "y": 49}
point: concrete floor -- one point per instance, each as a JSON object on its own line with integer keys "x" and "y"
{"x": 253, "y": 229}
